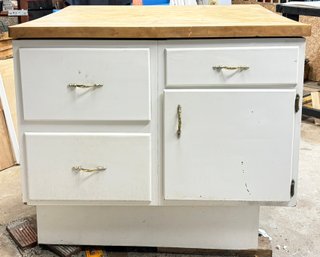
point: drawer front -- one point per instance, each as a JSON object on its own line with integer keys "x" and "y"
{"x": 116, "y": 83}
{"x": 192, "y": 67}
{"x": 56, "y": 164}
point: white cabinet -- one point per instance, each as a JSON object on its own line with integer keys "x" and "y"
{"x": 234, "y": 144}
{"x": 98, "y": 132}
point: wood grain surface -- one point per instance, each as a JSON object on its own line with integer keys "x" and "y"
{"x": 7, "y": 74}
{"x": 264, "y": 250}
{"x": 6, "y": 155}
{"x": 161, "y": 22}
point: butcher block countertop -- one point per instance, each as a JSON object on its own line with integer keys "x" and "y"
{"x": 161, "y": 22}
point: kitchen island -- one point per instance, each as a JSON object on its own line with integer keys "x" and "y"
{"x": 158, "y": 126}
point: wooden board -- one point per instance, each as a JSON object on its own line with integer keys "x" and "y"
{"x": 307, "y": 101}
{"x": 316, "y": 104}
{"x": 161, "y": 22}
{"x": 6, "y": 155}
{"x": 5, "y": 46}
{"x": 7, "y": 96}
{"x": 264, "y": 250}
{"x": 7, "y": 74}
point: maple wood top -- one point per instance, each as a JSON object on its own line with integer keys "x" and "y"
{"x": 161, "y": 22}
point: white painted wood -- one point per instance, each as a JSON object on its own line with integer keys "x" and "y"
{"x": 201, "y": 227}
{"x": 193, "y": 67}
{"x": 235, "y": 144}
{"x": 297, "y": 124}
{"x": 51, "y": 156}
{"x": 68, "y": 220}
{"x": 261, "y": 42}
{"x": 114, "y": 127}
{"x": 85, "y": 126}
{"x": 9, "y": 122}
{"x": 123, "y": 72}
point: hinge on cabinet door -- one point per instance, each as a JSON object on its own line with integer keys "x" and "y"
{"x": 292, "y": 188}
{"x": 297, "y": 103}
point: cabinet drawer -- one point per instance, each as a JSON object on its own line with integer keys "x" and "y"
{"x": 229, "y": 152}
{"x": 52, "y": 82}
{"x": 54, "y": 161}
{"x": 192, "y": 67}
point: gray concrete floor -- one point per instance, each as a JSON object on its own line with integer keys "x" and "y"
{"x": 295, "y": 232}
{"x": 298, "y": 229}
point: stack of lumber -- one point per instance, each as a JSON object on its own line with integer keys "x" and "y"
{"x": 5, "y": 46}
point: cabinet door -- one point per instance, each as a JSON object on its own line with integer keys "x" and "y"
{"x": 235, "y": 144}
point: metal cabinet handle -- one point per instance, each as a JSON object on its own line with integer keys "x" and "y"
{"x": 79, "y": 168}
{"x": 179, "y": 111}
{"x": 240, "y": 68}
{"x": 73, "y": 85}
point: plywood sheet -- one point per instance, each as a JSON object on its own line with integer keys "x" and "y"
{"x": 6, "y": 155}
{"x": 313, "y": 47}
{"x": 160, "y": 22}
{"x": 7, "y": 74}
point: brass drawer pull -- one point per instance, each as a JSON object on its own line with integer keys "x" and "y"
{"x": 79, "y": 168}
{"x": 240, "y": 68}
{"x": 179, "y": 111}
{"x": 72, "y": 85}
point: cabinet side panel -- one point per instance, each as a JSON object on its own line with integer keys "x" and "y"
{"x": 19, "y": 103}
{"x": 297, "y": 125}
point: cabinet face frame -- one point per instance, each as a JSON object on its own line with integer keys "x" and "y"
{"x": 67, "y": 126}
{"x": 163, "y": 46}
{"x": 157, "y": 61}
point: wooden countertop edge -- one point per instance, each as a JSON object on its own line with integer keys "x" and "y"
{"x": 160, "y": 32}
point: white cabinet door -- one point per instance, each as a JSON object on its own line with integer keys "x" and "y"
{"x": 234, "y": 144}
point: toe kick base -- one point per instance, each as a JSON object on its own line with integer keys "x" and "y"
{"x": 166, "y": 226}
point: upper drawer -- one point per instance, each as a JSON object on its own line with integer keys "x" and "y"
{"x": 192, "y": 67}
{"x": 85, "y": 83}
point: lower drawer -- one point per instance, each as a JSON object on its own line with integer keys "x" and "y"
{"x": 88, "y": 166}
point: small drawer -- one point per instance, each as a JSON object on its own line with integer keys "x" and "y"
{"x": 88, "y": 167}
{"x": 85, "y": 83}
{"x": 205, "y": 67}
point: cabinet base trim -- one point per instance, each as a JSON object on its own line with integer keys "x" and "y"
{"x": 189, "y": 227}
